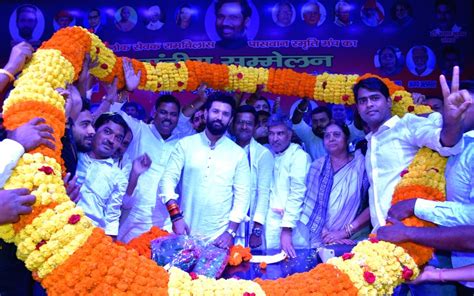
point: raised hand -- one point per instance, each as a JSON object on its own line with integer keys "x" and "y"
{"x": 456, "y": 101}
{"x": 201, "y": 91}
{"x": 20, "y": 54}
{"x": 132, "y": 80}
{"x": 111, "y": 92}
{"x": 141, "y": 164}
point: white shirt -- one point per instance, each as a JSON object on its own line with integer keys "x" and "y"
{"x": 102, "y": 188}
{"x": 10, "y": 153}
{"x": 289, "y": 184}
{"x": 459, "y": 207}
{"x": 215, "y": 183}
{"x": 143, "y": 204}
{"x": 261, "y": 169}
{"x": 154, "y": 25}
{"x": 391, "y": 149}
{"x": 313, "y": 144}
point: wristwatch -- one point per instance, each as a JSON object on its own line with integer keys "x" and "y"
{"x": 231, "y": 232}
{"x": 257, "y": 232}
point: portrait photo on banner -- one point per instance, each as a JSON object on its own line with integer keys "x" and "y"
{"x": 421, "y": 60}
{"x": 154, "y": 18}
{"x": 389, "y": 60}
{"x": 26, "y": 24}
{"x": 313, "y": 13}
{"x": 63, "y": 19}
{"x": 185, "y": 15}
{"x": 125, "y": 18}
{"x": 232, "y": 24}
{"x": 283, "y": 13}
{"x": 372, "y": 13}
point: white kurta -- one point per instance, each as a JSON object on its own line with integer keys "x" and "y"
{"x": 459, "y": 207}
{"x": 215, "y": 183}
{"x": 261, "y": 170}
{"x": 145, "y": 209}
{"x": 103, "y": 186}
{"x": 287, "y": 195}
{"x": 10, "y": 153}
{"x": 391, "y": 149}
{"x": 313, "y": 144}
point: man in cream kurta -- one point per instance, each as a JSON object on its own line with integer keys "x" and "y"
{"x": 287, "y": 189}
{"x": 214, "y": 172}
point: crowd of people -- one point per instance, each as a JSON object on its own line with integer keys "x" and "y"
{"x": 231, "y": 169}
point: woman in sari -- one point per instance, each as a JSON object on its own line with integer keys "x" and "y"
{"x": 336, "y": 192}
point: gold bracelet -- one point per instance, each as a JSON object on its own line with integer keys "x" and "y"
{"x": 10, "y": 75}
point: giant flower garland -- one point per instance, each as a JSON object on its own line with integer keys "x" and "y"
{"x": 69, "y": 256}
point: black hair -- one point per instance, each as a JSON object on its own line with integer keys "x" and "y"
{"x": 342, "y": 126}
{"x": 86, "y": 104}
{"x": 202, "y": 108}
{"x": 178, "y": 17}
{"x": 260, "y": 98}
{"x": 264, "y": 113}
{"x": 404, "y": 3}
{"x": 25, "y": 8}
{"x": 223, "y": 98}
{"x": 95, "y": 9}
{"x": 246, "y": 9}
{"x": 247, "y": 109}
{"x": 448, "y": 3}
{"x": 131, "y": 104}
{"x": 167, "y": 99}
{"x": 114, "y": 117}
{"x": 322, "y": 109}
{"x": 372, "y": 84}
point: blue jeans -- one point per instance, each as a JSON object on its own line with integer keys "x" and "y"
{"x": 440, "y": 260}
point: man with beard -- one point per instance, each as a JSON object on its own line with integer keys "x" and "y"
{"x": 195, "y": 110}
{"x": 215, "y": 177}
{"x": 77, "y": 137}
{"x": 261, "y": 167}
{"x": 198, "y": 120}
{"x": 158, "y": 140}
{"x": 312, "y": 137}
{"x": 103, "y": 184}
{"x": 232, "y": 18}
{"x": 26, "y": 21}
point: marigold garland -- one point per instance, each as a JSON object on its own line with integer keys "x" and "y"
{"x": 69, "y": 256}
{"x": 141, "y": 243}
{"x": 239, "y": 254}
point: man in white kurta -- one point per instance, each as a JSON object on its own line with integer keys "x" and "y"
{"x": 146, "y": 209}
{"x": 283, "y": 229}
{"x": 250, "y": 232}
{"x": 214, "y": 172}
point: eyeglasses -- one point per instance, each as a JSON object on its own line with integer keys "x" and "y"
{"x": 372, "y": 98}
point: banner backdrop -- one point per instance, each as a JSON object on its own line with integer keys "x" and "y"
{"x": 411, "y": 42}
